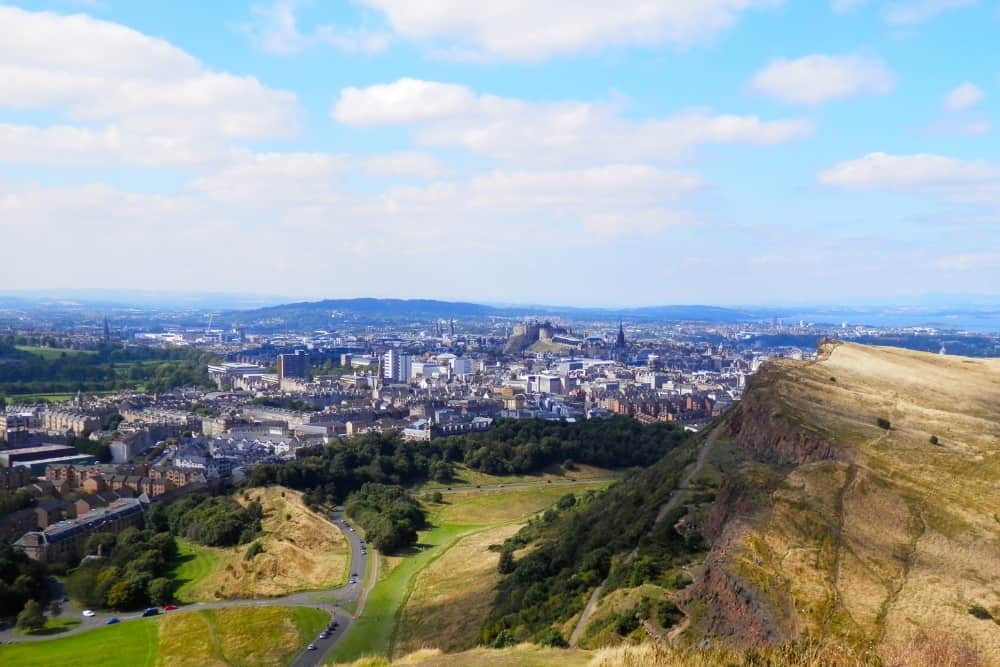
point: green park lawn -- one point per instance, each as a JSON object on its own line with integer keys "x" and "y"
{"x": 132, "y": 644}
{"x": 49, "y": 353}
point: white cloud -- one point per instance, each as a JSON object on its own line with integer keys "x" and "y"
{"x": 969, "y": 182}
{"x": 404, "y": 164}
{"x": 403, "y": 102}
{"x": 962, "y": 97}
{"x": 820, "y": 78}
{"x": 909, "y": 12}
{"x": 160, "y": 105}
{"x": 530, "y": 30}
{"x": 274, "y": 179}
{"x": 553, "y": 132}
{"x": 274, "y": 28}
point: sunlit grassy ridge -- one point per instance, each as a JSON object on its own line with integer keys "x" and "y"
{"x": 302, "y": 551}
{"x": 899, "y": 533}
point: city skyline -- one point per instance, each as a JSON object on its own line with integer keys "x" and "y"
{"x": 736, "y": 152}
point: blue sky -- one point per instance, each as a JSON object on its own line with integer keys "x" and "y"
{"x": 604, "y": 153}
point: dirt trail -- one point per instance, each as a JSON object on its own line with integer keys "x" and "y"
{"x": 676, "y": 496}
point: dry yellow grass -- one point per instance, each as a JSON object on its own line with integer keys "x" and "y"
{"x": 902, "y": 535}
{"x": 451, "y": 597}
{"x": 523, "y": 655}
{"x": 259, "y": 636}
{"x": 923, "y": 651}
{"x": 302, "y": 551}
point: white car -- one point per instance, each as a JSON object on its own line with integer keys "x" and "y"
{"x": 88, "y": 613}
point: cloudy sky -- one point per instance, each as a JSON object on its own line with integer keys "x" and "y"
{"x": 548, "y": 151}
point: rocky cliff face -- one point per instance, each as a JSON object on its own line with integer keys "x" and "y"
{"x": 764, "y": 436}
{"x": 737, "y": 611}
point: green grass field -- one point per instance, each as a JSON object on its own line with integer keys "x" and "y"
{"x": 194, "y": 563}
{"x": 49, "y": 353}
{"x": 131, "y": 644}
{"x": 236, "y": 636}
{"x": 461, "y": 515}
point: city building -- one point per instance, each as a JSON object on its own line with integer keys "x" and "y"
{"x": 396, "y": 366}
{"x": 293, "y": 366}
{"x": 64, "y": 541}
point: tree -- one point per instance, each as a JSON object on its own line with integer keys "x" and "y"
{"x": 122, "y": 595}
{"x": 506, "y": 564}
{"x": 160, "y": 591}
{"x": 31, "y": 617}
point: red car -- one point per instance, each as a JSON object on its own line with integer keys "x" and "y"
{"x": 170, "y": 607}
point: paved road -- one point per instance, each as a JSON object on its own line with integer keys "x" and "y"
{"x": 330, "y": 601}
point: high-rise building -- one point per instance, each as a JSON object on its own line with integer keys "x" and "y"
{"x": 293, "y": 365}
{"x": 396, "y": 366}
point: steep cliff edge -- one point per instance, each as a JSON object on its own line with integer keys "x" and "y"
{"x": 860, "y": 504}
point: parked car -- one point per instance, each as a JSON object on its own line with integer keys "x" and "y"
{"x": 150, "y": 611}
{"x": 170, "y": 607}
{"x": 88, "y": 613}
{"x": 111, "y": 621}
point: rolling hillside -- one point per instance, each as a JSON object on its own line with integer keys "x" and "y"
{"x": 850, "y": 504}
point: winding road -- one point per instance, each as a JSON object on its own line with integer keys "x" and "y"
{"x": 331, "y": 601}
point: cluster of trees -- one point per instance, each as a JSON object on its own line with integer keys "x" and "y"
{"x": 216, "y": 521}
{"x": 523, "y": 446}
{"x": 131, "y": 574}
{"x": 331, "y": 473}
{"x": 12, "y": 501}
{"x": 108, "y": 366}
{"x": 389, "y": 515}
{"x": 21, "y": 580}
{"x": 574, "y": 548}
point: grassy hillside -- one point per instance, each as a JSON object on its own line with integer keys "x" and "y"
{"x": 239, "y": 636}
{"x": 863, "y": 505}
{"x": 301, "y": 551}
{"x": 427, "y": 596}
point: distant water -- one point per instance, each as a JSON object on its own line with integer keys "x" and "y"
{"x": 978, "y": 321}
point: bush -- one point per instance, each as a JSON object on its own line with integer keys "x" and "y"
{"x": 255, "y": 549}
{"x": 934, "y": 440}
{"x": 980, "y": 612}
{"x": 31, "y": 617}
{"x": 436, "y": 497}
{"x": 550, "y": 637}
{"x": 884, "y": 423}
{"x": 668, "y": 615}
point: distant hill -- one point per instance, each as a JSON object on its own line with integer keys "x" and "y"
{"x": 854, "y": 500}
{"x": 318, "y": 314}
